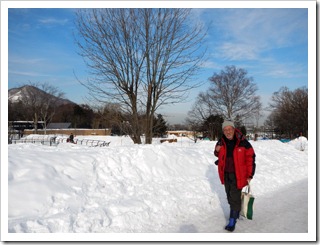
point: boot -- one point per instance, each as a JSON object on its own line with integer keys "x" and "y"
{"x": 234, "y": 215}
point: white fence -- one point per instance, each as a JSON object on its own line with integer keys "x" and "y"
{"x": 54, "y": 141}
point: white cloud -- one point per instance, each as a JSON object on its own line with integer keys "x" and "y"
{"x": 265, "y": 27}
{"x": 28, "y": 74}
{"x": 21, "y": 60}
{"x": 53, "y": 21}
{"x": 238, "y": 51}
{"x": 210, "y": 64}
{"x": 244, "y": 34}
{"x": 285, "y": 70}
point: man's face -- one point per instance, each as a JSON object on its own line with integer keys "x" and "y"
{"x": 228, "y": 131}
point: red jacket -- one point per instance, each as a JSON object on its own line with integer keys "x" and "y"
{"x": 243, "y": 157}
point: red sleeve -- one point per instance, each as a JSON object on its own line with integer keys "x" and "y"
{"x": 250, "y": 162}
{"x": 218, "y": 143}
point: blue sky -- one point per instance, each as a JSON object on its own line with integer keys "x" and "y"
{"x": 270, "y": 43}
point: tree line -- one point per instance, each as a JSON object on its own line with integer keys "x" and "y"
{"x": 41, "y": 103}
{"x": 289, "y": 112}
{"x": 288, "y": 117}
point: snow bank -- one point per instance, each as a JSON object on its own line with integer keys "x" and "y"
{"x": 128, "y": 188}
{"x": 300, "y": 143}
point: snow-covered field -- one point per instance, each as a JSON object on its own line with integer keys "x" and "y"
{"x": 158, "y": 192}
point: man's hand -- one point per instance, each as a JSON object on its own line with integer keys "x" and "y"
{"x": 218, "y": 148}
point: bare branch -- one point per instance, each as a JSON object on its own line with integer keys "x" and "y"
{"x": 140, "y": 58}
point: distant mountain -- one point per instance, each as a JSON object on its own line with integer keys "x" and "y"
{"x": 20, "y": 94}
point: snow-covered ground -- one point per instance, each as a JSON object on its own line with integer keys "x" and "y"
{"x": 158, "y": 192}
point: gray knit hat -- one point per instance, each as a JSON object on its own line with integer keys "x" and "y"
{"x": 227, "y": 123}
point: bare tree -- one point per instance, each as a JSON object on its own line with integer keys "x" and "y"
{"x": 201, "y": 110}
{"x": 112, "y": 117}
{"x": 140, "y": 58}
{"x": 41, "y": 100}
{"x": 48, "y": 97}
{"x": 232, "y": 95}
{"x": 290, "y": 111}
{"x": 201, "y": 119}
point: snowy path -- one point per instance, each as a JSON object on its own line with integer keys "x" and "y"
{"x": 283, "y": 211}
{"x": 279, "y": 212}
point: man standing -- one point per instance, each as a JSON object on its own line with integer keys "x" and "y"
{"x": 236, "y": 167}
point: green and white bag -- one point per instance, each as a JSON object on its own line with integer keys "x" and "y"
{"x": 247, "y": 200}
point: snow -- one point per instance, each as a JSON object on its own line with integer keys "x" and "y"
{"x": 158, "y": 192}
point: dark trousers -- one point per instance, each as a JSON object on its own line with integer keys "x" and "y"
{"x": 233, "y": 193}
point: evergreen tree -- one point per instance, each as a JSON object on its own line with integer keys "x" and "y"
{"x": 160, "y": 127}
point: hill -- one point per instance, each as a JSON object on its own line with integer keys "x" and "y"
{"x": 22, "y": 93}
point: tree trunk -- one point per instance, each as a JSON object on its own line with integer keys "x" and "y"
{"x": 148, "y": 130}
{"x": 135, "y": 124}
{"x": 35, "y": 121}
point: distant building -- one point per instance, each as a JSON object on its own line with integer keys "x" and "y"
{"x": 179, "y": 133}
{"x": 22, "y": 125}
{"x": 59, "y": 125}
